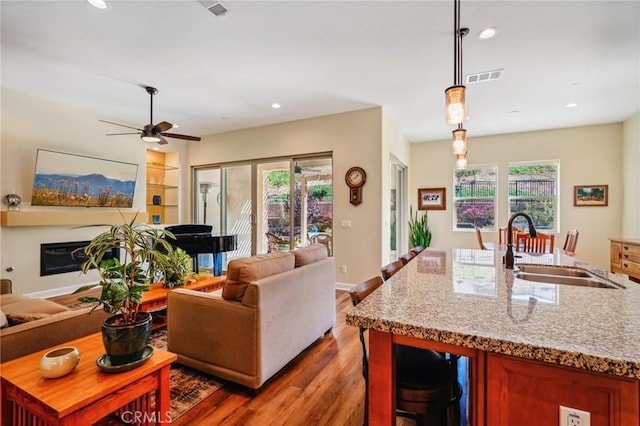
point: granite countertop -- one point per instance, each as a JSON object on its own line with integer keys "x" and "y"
{"x": 467, "y": 298}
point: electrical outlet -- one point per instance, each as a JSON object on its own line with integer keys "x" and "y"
{"x": 574, "y": 417}
{"x": 343, "y": 269}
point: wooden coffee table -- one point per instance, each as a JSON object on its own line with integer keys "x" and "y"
{"x": 86, "y": 395}
{"x": 155, "y": 299}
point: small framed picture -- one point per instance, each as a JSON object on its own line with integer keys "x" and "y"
{"x": 432, "y": 199}
{"x": 591, "y": 195}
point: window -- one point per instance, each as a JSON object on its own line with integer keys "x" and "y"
{"x": 474, "y": 197}
{"x": 533, "y": 189}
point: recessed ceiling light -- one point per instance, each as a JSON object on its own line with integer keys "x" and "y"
{"x": 571, "y": 105}
{"x": 487, "y": 33}
{"x": 275, "y": 106}
{"x": 100, "y": 4}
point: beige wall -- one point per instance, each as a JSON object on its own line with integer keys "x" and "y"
{"x": 631, "y": 170}
{"x": 588, "y": 155}
{"x": 29, "y": 123}
{"x": 355, "y": 140}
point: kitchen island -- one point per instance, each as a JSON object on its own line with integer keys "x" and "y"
{"x": 531, "y": 346}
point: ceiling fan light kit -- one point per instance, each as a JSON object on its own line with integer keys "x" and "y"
{"x": 154, "y": 133}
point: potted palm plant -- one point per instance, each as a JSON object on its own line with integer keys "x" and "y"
{"x": 143, "y": 250}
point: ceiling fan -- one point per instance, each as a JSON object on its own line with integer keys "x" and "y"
{"x": 151, "y": 132}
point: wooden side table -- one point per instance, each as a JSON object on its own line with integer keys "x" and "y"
{"x": 86, "y": 395}
{"x": 155, "y": 299}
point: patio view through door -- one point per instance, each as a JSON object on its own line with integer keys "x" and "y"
{"x": 254, "y": 200}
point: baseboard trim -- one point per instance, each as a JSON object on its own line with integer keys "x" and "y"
{"x": 60, "y": 291}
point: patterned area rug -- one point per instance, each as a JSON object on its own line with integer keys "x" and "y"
{"x": 189, "y": 387}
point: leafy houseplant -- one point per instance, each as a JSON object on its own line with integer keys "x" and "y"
{"x": 143, "y": 250}
{"x": 177, "y": 269}
{"x": 419, "y": 232}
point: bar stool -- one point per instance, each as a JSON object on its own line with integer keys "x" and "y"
{"x": 426, "y": 385}
{"x": 390, "y": 269}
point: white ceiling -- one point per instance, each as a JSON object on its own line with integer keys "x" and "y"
{"x": 216, "y": 74}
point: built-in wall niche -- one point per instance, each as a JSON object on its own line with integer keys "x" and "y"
{"x": 162, "y": 187}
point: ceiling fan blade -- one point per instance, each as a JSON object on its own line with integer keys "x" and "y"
{"x": 118, "y": 134}
{"x": 163, "y": 126}
{"x": 162, "y": 140}
{"x": 185, "y": 137}
{"x": 121, "y": 125}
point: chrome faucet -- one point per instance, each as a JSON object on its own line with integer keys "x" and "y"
{"x": 508, "y": 256}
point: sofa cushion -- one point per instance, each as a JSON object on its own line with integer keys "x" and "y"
{"x": 241, "y": 272}
{"x": 15, "y": 319}
{"x": 7, "y": 299}
{"x": 40, "y": 306}
{"x": 310, "y": 254}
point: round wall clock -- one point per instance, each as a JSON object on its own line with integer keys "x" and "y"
{"x": 355, "y": 178}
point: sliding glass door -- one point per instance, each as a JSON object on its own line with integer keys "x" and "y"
{"x": 274, "y": 204}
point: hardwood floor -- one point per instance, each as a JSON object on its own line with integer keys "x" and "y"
{"x": 322, "y": 386}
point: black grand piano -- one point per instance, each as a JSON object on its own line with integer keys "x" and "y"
{"x": 197, "y": 239}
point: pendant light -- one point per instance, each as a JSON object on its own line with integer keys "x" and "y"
{"x": 456, "y": 110}
{"x": 459, "y": 144}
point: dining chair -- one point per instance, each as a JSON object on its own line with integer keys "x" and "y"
{"x": 405, "y": 258}
{"x": 390, "y": 269}
{"x": 479, "y": 239}
{"x": 542, "y": 243}
{"x": 570, "y": 242}
{"x": 502, "y": 234}
{"x": 427, "y": 388}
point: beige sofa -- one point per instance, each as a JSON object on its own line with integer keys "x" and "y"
{"x": 270, "y": 309}
{"x": 36, "y": 324}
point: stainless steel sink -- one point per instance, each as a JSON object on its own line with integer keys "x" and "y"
{"x": 566, "y": 275}
{"x": 566, "y": 271}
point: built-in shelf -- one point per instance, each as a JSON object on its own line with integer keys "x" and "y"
{"x": 68, "y": 218}
{"x": 162, "y": 205}
{"x": 158, "y": 185}
{"x": 160, "y": 166}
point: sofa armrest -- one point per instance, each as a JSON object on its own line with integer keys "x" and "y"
{"x": 205, "y": 327}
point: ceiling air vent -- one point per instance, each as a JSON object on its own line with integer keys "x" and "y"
{"x": 481, "y": 77}
{"x": 215, "y": 7}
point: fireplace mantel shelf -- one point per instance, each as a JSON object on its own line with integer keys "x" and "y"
{"x": 67, "y": 218}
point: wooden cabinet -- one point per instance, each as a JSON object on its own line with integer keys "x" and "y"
{"x": 162, "y": 187}
{"x": 524, "y": 392}
{"x": 625, "y": 257}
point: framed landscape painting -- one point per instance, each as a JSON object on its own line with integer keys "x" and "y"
{"x": 590, "y": 195}
{"x": 432, "y": 199}
{"x": 63, "y": 179}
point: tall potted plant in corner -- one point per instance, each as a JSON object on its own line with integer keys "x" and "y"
{"x": 143, "y": 250}
{"x": 419, "y": 232}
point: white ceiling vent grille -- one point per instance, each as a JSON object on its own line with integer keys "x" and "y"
{"x": 215, "y": 7}
{"x": 481, "y": 77}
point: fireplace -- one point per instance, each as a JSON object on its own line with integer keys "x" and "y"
{"x": 57, "y": 258}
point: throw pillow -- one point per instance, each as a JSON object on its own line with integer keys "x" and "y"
{"x": 15, "y": 319}
{"x": 241, "y": 272}
{"x": 310, "y": 254}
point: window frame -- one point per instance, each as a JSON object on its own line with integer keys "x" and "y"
{"x": 556, "y": 196}
{"x": 456, "y": 198}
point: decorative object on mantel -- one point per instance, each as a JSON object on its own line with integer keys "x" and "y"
{"x": 156, "y": 219}
{"x": 157, "y": 200}
{"x": 125, "y": 334}
{"x": 13, "y": 200}
{"x": 456, "y": 109}
{"x": 59, "y": 362}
